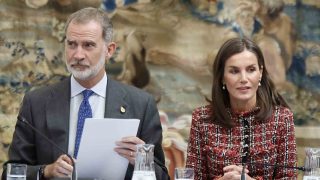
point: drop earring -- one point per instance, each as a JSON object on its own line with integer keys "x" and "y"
{"x": 259, "y": 83}
{"x": 224, "y": 87}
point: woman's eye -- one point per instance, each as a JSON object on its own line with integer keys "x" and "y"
{"x": 252, "y": 69}
{"x": 233, "y": 71}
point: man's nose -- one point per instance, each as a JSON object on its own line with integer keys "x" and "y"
{"x": 79, "y": 53}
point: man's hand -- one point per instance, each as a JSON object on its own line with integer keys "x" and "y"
{"x": 62, "y": 167}
{"x": 126, "y": 147}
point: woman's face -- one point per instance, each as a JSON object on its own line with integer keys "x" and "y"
{"x": 241, "y": 78}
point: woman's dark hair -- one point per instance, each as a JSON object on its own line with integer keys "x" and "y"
{"x": 267, "y": 96}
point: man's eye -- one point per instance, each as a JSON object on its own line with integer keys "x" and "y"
{"x": 89, "y": 45}
{"x": 71, "y": 44}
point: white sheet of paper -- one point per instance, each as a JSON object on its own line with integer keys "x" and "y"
{"x": 96, "y": 157}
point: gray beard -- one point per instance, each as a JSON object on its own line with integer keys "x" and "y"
{"x": 87, "y": 73}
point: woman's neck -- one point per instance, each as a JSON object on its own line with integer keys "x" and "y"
{"x": 243, "y": 107}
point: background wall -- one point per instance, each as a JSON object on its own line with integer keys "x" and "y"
{"x": 167, "y": 48}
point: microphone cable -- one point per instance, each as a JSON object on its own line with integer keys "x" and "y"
{"x": 22, "y": 119}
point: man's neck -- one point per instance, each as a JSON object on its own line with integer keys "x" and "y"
{"x": 89, "y": 83}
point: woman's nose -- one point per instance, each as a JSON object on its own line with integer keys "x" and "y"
{"x": 243, "y": 78}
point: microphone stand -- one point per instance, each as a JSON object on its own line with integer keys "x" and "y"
{"x": 243, "y": 174}
{"x": 73, "y": 176}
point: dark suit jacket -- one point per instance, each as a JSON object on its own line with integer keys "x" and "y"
{"x": 48, "y": 109}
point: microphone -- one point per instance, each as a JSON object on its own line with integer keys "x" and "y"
{"x": 243, "y": 174}
{"x": 22, "y": 119}
{"x": 301, "y": 168}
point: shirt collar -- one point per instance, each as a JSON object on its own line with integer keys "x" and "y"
{"x": 99, "y": 89}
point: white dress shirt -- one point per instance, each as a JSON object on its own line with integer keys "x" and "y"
{"x": 96, "y": 101}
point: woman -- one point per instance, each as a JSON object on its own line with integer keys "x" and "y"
{"x": 246, "y": 123}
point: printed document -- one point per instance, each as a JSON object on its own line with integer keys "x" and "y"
{"x": 96, "y": 157}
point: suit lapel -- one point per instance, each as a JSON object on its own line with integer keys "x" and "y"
{"x": 58, "y": 111}
{"x": 116, "y": 105}
{"x": 57, "y": 115}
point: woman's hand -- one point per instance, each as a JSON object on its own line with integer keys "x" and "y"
{"x": 233, "y": 172}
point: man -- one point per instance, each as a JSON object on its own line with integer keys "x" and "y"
{"x": 56, "y": 110}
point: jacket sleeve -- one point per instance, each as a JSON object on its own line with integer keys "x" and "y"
{"x": 151, "y": 133}
{"x": 287, "y": 153}
{"x": 22, "y": 148}
{"x": 195, "y": 157}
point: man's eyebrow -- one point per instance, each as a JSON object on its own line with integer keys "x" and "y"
{"x": 89, "y": 41}
{"x": 68, "y": 40}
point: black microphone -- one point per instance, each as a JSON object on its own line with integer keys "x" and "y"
{"x": 22, "y": 119}
{"x": 243, "y": 174}
{"x": 301, "y": 168}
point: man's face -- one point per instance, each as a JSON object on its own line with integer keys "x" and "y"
{"x": 85, "y": 50}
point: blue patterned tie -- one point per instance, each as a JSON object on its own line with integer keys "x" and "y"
{"x": 84, "y": 112}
